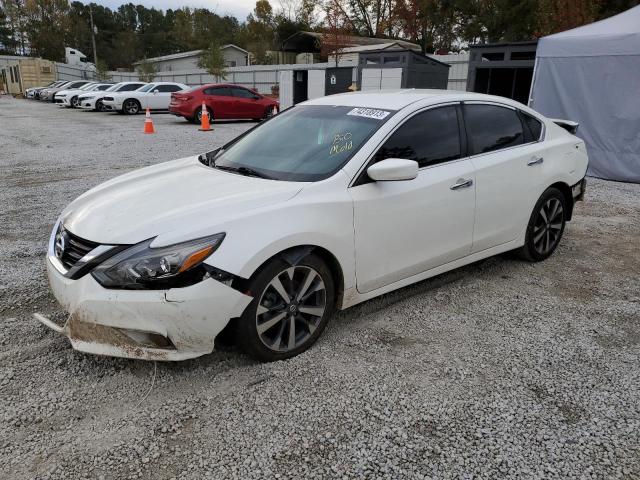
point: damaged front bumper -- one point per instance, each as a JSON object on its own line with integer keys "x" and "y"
{"x": 174, "y": 324}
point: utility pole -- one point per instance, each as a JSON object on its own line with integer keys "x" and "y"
{"x": 93, "y": 37}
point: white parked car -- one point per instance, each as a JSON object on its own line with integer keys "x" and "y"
{"x": 69, "y": 98}
{"x": 94, "y": 100}
{"x": 330, "y": 203}
{"x": 31, "y": 92}
{"x": 49, "y": 93}
{"x": 154, "y": 96}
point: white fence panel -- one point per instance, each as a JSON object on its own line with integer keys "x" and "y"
{"x": 286, "y": 89}
{"x": 316, "y": 83}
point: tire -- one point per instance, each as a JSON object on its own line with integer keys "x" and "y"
{"x": 131, "y": 107}
{"x": 545, "y": 227}
{"x": 100, "y": 106}
{"x": 268, "y": 113}
{"x": 197, "y": 116}
{"x": 306, "y": 299}
{"x": 74, "y": 102}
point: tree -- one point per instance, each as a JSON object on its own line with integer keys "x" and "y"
{"x": 47, "y": 22}
{"x": 430, "y": 23}
{"x": 335, "y": 38}
{"x": 14, "y": 11}
{"x": 560, "y": 15}
{"x": 212, "y": 60}
{"x": 7, "y": 42}
{"x": 370, "y": 18}
{"x": 102, "y": 71}
{"x": 146, "y": 70}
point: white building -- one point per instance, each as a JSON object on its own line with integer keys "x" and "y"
{"x": 234, "y": 56}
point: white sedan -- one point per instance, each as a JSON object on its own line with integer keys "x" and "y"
{"x": 154, "y": 96}
{"x": 94, "y": 100}
{"x": 332, "y": 202}
{"x": 69, "y": 98}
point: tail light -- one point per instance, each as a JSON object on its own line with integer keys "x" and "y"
{"x": 181, "y": 98}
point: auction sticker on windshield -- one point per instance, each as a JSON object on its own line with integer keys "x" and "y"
{"x": 369, "y": 113}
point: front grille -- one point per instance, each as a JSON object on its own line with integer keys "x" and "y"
{"x": 108, "y": 99}
{"x": 75, "y": 249}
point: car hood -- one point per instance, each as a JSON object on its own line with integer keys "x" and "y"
{"x": 73, "y": 91}
{"x": 181, "y": 198}
{"x": 99, "y": 94}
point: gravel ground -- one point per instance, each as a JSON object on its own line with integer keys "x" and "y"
{"x": 501, "y": 369}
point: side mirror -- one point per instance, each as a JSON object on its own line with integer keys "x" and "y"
{"x": 393, "y": 169}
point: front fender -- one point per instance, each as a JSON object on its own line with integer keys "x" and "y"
{"x": 319, "y": 216}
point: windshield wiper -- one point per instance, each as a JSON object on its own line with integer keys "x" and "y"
{"x": 246, "y": 171}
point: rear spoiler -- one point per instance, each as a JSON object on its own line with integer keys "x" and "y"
{"x": 568, "y": 125}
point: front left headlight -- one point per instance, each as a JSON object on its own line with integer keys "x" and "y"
{"x": 141, "y": 266}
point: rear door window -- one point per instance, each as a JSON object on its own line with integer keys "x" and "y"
{"x": 168, "y": 88}
{"x": 491, "y": 128}
{"x": 130, "y": 87}
{"x": 218, "y": 91}
{"x": 242, "y": 93}
{"x": 429, "y": 138}
{"x": 534, "y": 125}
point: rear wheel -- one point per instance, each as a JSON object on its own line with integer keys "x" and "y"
{"x": 198, "y": 115}
{"x": 131, "y": 107}
{"x": 289, "y": 311}
{"x": 545, "y": 227}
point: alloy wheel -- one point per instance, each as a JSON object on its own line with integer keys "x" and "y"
{"x": 74, "y": 102}
{"x": 290, "y": 308}
{"x": 548, "y": 226}
{"x": 131, "y": 107}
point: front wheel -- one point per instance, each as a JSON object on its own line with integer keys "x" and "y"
{"x": 74, "y": 102}
{"x": 545, "y": 227}
{"x": 291, "y": 307}
{"x": 131, "y": 107}
{"x": 100, "y": 106}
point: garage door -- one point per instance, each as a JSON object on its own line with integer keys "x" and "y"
{"x": 378, "y": 78}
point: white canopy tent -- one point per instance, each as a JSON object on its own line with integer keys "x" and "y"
{"x": 591, "y": 75}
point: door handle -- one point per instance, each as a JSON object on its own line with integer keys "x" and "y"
{"x": 462, "y": 183}
{"x": 535, "y": 161}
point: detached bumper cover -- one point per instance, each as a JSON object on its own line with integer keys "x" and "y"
{"x": 174, "y": 324}
{"x": 579, "y": 189}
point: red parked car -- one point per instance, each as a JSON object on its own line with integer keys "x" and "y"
{"x": 223, "y": 101}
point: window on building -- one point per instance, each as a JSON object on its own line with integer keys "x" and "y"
{"x": 493, "y": 56}
{"x": 523, "y": 55}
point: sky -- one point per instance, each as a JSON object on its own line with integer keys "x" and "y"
{"x": 237, "y": 8}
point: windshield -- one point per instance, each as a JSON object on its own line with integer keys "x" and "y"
{"x": 146, "y": 88}
{"x": 305, "y": 144}
{"x": 114, "y": 87}
{"x": 88, "y": 86}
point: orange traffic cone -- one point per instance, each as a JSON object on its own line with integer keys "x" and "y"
{"x": 204, "y": 120}
{"x": 148, "y": 123}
